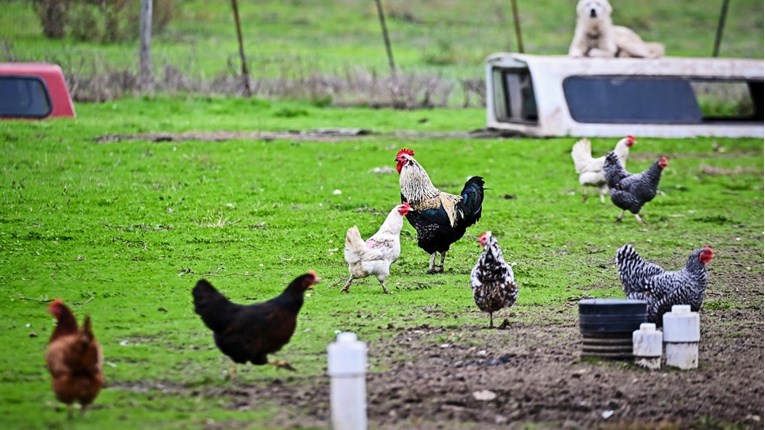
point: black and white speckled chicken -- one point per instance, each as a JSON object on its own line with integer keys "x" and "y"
{"x": 439, "y": 218}
{"x": 643, "y": 280}
{"x": 631, "y": 191}
{"x": 492, "y": 279}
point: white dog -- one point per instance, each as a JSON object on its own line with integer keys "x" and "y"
{"x": 597, "y": 36}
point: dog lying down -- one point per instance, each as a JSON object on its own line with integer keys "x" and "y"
{"x": 596, "y": 35}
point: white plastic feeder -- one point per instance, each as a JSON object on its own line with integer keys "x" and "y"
{"x": 646, "y": 346}
{"x": 346, "y": 366}
{"x": 682, "y": 332}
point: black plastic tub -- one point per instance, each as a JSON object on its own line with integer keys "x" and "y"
{"x": 606, "y": 326}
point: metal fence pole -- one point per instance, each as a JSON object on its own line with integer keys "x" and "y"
{"x": 388, "y": 49}
{"x": 720, "y": 28}
{"x": 245, "y": 73}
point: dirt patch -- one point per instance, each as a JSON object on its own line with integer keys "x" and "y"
{"x": 438, "y": 377}
{"x": 313, "y": 135}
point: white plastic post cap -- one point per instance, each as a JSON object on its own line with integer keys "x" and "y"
{"x": 647, "y": 327}
{"x": 346, "y": 336}
{"x": 681, "y": 309}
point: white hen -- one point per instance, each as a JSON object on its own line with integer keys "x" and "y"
{"x": 375, "y": 256}
{"x": 591, "y": 172}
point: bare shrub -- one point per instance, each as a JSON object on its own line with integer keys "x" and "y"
{"x": 53, "y": 17}
{"x": 92, "y": 79}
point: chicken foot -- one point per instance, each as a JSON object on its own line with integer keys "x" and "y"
{"x": 281, "y": 364}
{"x": 640, "y": 220}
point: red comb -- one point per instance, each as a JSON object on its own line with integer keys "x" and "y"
{"x": 406, "y": 151}
{"x": 631, "y": 137}
{"x": 312, "y": 273}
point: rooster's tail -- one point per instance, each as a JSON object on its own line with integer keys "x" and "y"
{"x": 354, "y": 245}
{"x": 214, "y": 308}
{"x": 581, "y": 153}
{"x": 472, "y": 200}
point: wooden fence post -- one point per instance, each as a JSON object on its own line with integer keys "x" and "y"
{"x": 145, "y": 78}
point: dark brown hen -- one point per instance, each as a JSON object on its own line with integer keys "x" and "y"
{"x": 251, "y": 332}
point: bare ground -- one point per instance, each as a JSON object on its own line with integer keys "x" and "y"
{"x": 427, "y": 377}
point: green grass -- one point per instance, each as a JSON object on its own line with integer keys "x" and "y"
{"x": 446, "y": 37}
{"x": 123, "y": 230}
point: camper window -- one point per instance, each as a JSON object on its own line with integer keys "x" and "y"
{"x": 631, "y": 100}
{"x": 514, "y": 93}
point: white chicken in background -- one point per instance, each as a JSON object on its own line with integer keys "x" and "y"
{"x": 375, "y": 256}
{"x": 493, "y": 280}
{"x": 591, "y": 172}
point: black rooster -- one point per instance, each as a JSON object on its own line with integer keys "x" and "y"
{"x": 251, "y": 332}
{"x": 439, "y": 218}
{"x": 631, "y": 191}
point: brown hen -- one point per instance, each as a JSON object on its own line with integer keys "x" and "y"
{"x": 74, "y": 359}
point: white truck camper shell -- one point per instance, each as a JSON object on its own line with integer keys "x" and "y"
{"x": 594, "y": 97}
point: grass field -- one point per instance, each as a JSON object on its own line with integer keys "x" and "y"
{"x": 122, "y": 230}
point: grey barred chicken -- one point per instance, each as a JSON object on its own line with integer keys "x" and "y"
{"x": 492, "y": 279}
{"x": 643, "y": 280}
{"x": 631, "y": 191}
{"x": 439, "y": 218}
{"x": 591, "y": 172}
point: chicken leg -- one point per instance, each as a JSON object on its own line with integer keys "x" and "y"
{"x": 382, "y": 282}
{"x": 619, "y": 218}
{"x": 440, "y": 267}
{"x": 232, "y": 371}
{"x": 281, "y": 364}
{"x": 348, "y": 285}
{"x": 640, "y": 220}
{"x": 432, "y": 264}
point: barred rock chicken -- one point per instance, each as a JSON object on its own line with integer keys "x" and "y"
{"x": 632, "y": 191}
{"x": 661, "y": 289}
{"x": 251, "y": 332}
{"x": 439, "y": 218}
{"x": 74, "y": 359}
{"x": 591, "y": 172}
{"x": 375, "y": 256}
{"x": 492, "y": 279}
